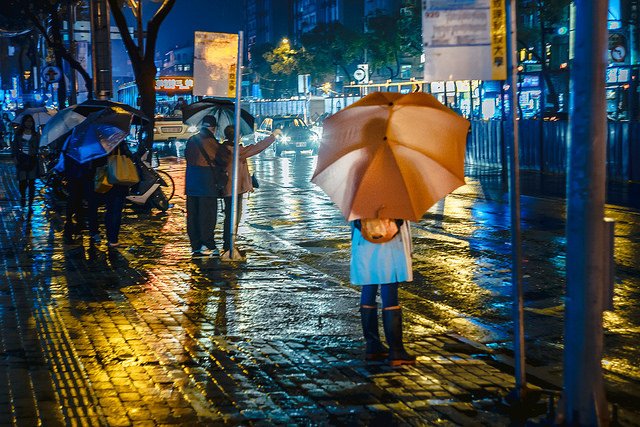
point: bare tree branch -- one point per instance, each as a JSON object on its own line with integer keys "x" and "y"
{"x": 154, "y": 26}
{"x": 121, "y": 23}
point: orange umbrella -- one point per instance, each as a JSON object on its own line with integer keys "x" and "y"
{"x": 391, "y": 156}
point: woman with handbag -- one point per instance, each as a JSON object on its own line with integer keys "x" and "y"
{"x": 381, "y": 257}
{"x": 245, "y": 182}
{"x": 121, "y": 173}
{"x": 25, "y": 146}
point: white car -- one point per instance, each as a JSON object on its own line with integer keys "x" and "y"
{"x": 167, "y": 129}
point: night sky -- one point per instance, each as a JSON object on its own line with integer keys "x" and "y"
{"x": 187, "y": 16}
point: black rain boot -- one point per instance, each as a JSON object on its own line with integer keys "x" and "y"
{"x": 392, "y": 322}
{"x": 375, "y": 349}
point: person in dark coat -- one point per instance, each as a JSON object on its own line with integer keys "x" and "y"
{"x": 80, "y": 187}
{"x": 25, "y": 146}
{"x": 115, "y": 200}
{"x": 200, "y": 187}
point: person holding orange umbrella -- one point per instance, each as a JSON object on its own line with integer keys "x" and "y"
{"x": 384, "y": 161}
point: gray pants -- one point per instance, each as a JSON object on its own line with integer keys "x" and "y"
{"x": 202, "y": 215}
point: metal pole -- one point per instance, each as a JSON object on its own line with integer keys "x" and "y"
{"x": 584, "y": 400}
{"x": 101, "y": 49}
{"x": 236, "y": 150}
{"x": 511, "y": 128}
{"x": 139, "y": 30}
{"x": 71, "y": 19}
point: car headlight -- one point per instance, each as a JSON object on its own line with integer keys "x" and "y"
{"x": 155, "y": 130}
{"x": 284, "y": 138}
{"x": 315, "y": 137}
{"x": 192, "y": 129}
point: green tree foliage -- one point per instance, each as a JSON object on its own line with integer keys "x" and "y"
{"x": 283, "y": 59}
{"x": 392, "y": 36}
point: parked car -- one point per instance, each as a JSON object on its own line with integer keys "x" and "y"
{"x": 296, "y": 135}
{"x": 170, "y": 128}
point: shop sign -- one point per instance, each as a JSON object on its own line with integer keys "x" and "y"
{"x": 464, "y": 39}
{"x": 618, "y": 75}
{"x": 174, "y": 84}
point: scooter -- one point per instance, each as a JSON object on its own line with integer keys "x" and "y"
{"x": 148, "y": 192}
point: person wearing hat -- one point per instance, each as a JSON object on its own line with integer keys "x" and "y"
{"x": 205, "y": 171}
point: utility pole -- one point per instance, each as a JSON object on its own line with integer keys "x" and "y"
{"x": 584, "y": 401}
{"x": 71, "y": 19}
{"x": 101, "y": 49}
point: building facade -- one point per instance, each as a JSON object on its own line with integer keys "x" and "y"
{"x": 267, "y": 22}
{"x": 307, "y": 14}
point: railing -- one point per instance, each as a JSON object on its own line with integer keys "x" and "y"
{"x": 486, "y": 147}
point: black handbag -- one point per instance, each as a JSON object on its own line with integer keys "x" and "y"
{"x": 219, "y": 169}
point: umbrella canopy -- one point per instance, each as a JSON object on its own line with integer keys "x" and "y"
{"x": 98, "y": 135}
{"x": 222, "y": 109}
{"x": 60, "y": 126}
{"x": 92, "y": 105}
{"x": 391, "y": 156}
{"x": 41, "y": 115}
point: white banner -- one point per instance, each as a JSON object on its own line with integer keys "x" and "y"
{"x": 214, "y": 64}
{"x": 464, "y": 40}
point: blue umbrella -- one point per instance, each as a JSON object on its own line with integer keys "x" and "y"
{"x": 98, "y": 135}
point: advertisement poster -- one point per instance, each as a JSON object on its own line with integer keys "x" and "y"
{"x": 214, "y": 64}
{"x": 464, "y": 40}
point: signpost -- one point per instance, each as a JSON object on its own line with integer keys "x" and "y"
{"x": 476, "y": 40}
{"x": 214, "y": 64}
{"x": 464, "y": 40}
{"x": 51, "y": 74}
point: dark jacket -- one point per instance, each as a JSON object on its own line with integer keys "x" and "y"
{"x": 26, "y": 161}
{"x": 200, "y": 178}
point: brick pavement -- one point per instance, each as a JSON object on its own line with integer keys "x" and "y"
{"x": 144, "y": 336}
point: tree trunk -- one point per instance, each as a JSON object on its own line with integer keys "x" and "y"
{"x": 145, "y": 80}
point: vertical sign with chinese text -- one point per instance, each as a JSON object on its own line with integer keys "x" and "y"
{"x": 214, "y": 64}
{"x": 464, "y": 40}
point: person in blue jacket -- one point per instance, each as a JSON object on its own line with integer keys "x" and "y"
{"x": 381, "y": 258}
{"x": 202, "y": 156}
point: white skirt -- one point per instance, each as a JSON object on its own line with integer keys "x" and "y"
{"x": 381, "y": 263}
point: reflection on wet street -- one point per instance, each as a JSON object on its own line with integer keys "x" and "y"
{"x": 144, "y": 334}
{"x": 462, "y": 259}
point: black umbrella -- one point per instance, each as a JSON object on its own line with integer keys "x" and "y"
{"x": 92, "y": 105}
{"x": 222, "y": 109}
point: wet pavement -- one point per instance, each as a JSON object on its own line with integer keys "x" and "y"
{"x": 144, "y": 335}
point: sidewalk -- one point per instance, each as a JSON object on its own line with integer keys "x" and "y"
{"x": 145, "y": 336}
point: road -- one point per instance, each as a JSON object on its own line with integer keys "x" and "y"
{"x": 462, "y": 260}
